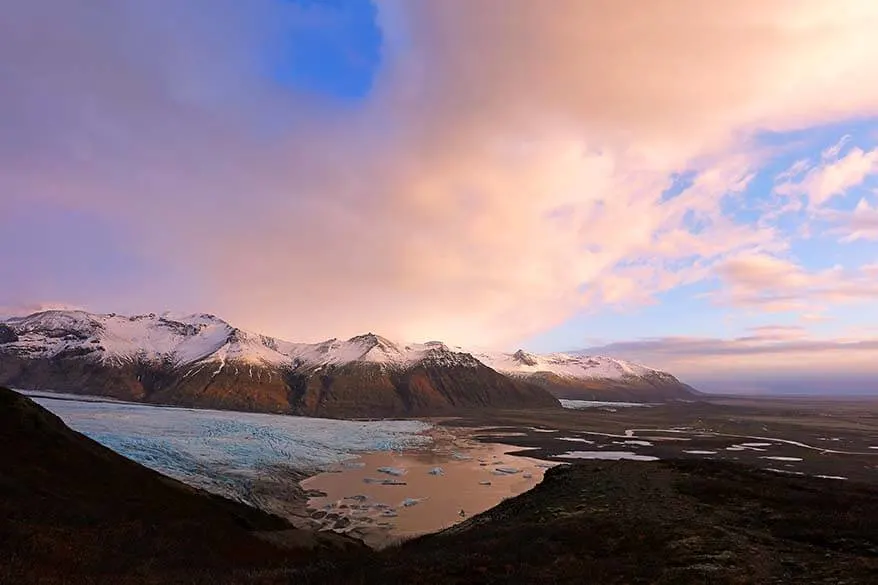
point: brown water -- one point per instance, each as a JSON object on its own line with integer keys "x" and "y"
{"x": 411, "y": 497}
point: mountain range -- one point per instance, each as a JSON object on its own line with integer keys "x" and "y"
{"x": 202, "y": 361}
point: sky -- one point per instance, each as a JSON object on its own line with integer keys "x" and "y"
{"x": 691, "y": 185}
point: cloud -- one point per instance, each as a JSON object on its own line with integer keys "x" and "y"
{"x": 761, "y": 362}
{"x": 775, "y": 284}
{"x": 831, "y": 153}
{"x": 860, "y": 224}
{"x": 507, "y": 170}
{"x": 771, "y": 333}
{"x": 833, "y": 176}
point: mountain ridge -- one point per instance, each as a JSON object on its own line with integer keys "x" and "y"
{"x": 202, "y": 360}
{"x": 582, "y": 376}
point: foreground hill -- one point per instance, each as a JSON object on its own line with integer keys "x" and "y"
{"x": 200, "y": 360}
{"x": 666, "y": 523}
{"x": 587, "y": 377}
{"x": 73, "y": 511}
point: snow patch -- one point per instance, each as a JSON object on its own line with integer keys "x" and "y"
{"x": 786, "y": 471}
{"x": 583, "y": 404}
{"x": 606, "y": 455}
{"x": 576, "y": 440}
{"x": 636, "y": 443}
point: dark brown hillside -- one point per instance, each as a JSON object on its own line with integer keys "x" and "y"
{"x": 364, "y": 390}
{"x": 666, "y": 523}
{"x": 72, "y": 511}
{"x": 475, "y": 386}
{"x": 359, "y": 389}
{"x": 655, "y": 387}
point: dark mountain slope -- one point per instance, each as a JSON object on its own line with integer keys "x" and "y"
{"x": 73, "y": 511}
{"x": 425, "y": 388}
{"x": 202, "y": 361}
{"x": 668, "y": 523}
{"x": 650, "y": 387}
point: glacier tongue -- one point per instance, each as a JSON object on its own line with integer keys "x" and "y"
{"x": 224, "y": 451}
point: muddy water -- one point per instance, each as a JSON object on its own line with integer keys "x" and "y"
{"x": 383, "y": 498}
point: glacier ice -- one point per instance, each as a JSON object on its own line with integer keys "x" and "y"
{"x": 223, "y": 451}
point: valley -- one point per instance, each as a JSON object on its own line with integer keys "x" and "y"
{"x": 731, "y": 491}
{"x": 385, "y": 480}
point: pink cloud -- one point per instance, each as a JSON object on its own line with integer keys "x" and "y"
{"x": 770, "y": 353}
{"x": 861, "y": 224}
{"x": 512, "y": 155}
{"x": 833, "y": 176}
{"x": 775, "y": 284}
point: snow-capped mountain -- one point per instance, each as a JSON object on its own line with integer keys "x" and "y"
{"x": 564, "y": 364}
{"x": 201, "y": 360}
{"x": 578, "y": 375}
{"x": 186, "y": 340}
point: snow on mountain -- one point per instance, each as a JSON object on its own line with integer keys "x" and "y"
{"x": 187, "y": 339}
{"x": 195, "y": 360}
{"x": 118, "y": 338}
{"x": 565, "y": 365}
{"x": 587, "y": 377}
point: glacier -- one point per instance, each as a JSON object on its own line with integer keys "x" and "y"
{"x": 224, "y": 451}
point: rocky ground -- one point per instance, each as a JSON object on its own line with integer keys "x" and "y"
{"x": 674, "y": 522}
{"x": 74, "y": 512}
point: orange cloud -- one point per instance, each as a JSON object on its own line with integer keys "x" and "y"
{"x": 507, "y": 170}
{"x": 776, "y": 284}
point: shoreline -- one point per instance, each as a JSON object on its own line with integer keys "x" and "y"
{"x": 384, "y": 498}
